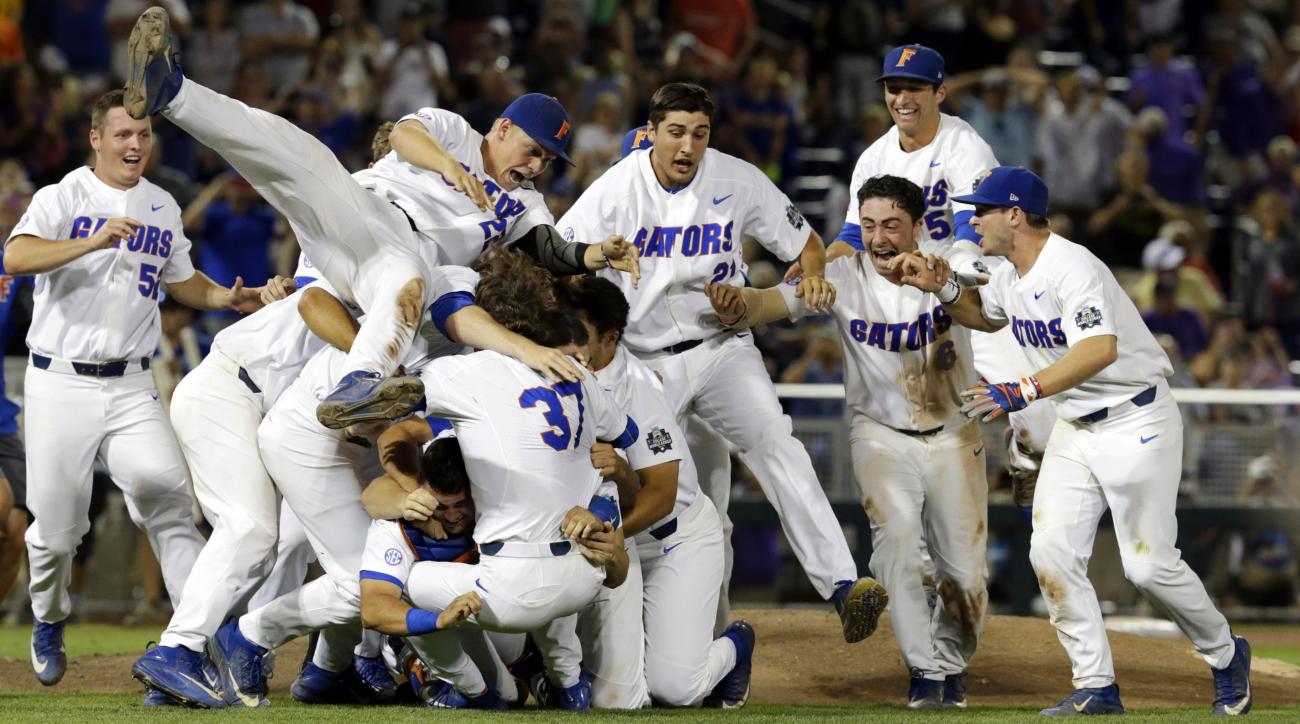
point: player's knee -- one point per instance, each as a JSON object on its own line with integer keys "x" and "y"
{"x": 1048, "y": 554}
{"x": 1145, "y": 574}
{"x": 60, "y": 544}
{"x": 764, "y": 431}
{"x": 669, "y": 690}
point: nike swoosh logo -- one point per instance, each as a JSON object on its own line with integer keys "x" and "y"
{"x": 935, "y": 164}
{"x": 39, "y": 665}
{"x": 155, "y": 208}
{"x": 978, "y": 450}
{"x": 249, "y": 701}
{"x": 1039, "y": 294}
{"x": 479, "y": 582}
{"x": 1146, "y": 440}
{"x": 669, "y": 549}
{"x": 202, "y": 685}
{"x": 1080, "y": 707}
{"x": 1236, "y": 710}
{"x": 717, "y": 200}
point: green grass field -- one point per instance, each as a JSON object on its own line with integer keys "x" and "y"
{"x": 66, "y": 705}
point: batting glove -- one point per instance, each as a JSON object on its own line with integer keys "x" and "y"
{"x": 992, "y": 401}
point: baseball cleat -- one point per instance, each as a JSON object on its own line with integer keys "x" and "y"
{"x": 315, "y": 685}
{"x": 924, "y": 694}
{"x": 372, "y": 680}
{"x": 860, "y": 604}
{"x": 155, "y": 75}
{"x": 1088, "y": 702}
{"x": 574, "y": 698}
{"x": 954, "y": 691}
{"x": 363, "y": 397}
{"x": 182, "y": 675}
{"x": 239, "y": 663}
{"x": 1232, "y": 683}
{"x": 733, "y": 691}
{"x": 446, "y": 696}
{"x": 49, "y": 658}
{"x": 158, "y": 697}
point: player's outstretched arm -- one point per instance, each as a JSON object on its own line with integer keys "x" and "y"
{"x": 413, "y": 143}
{"x": 745, "y": 307}
{"x": 1085, "y": 359}
{"x": 327, "y": 318}
{"x": 654, "y": 500}
{"x": 474, "y": 327}
{"x": 399, "y": 451}
{"x": 563, "y": 257}
{"x": 933, "y": 274}
{"x": 383, "y": 610}
{"x": 27, "y": 254}
{"x": 200, "y": 292}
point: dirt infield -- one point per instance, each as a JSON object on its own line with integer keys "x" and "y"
{"x": 801, "y": 659}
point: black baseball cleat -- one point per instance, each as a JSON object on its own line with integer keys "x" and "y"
{"x": 859, "y": 604}
{"x": 155, "y": 75}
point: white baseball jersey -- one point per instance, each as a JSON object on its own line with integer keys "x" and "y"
{"x": 461, "y": 231}
{"x": 526, "y": 442}
{"x": 635, "y": 389}
{"x": 393, "y": 547}
{"x": 1070, "y": 295}
{"x": 948, "y": 166}
{"x": 908, "y": 362}
{"x": 687, "y": 238}
{"x": 104, "y": 305}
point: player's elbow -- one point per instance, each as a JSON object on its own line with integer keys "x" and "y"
{"x": 17, "y": 256}
{"x": 1107, "y": 351}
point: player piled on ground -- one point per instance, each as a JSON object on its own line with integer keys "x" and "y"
{"x": 1118, "y": 443}
{"x": 917, "y": 459}
{"x": 686, "y": 208}
{"x": 444, "y": 186}
{"x": 104, "y": 243}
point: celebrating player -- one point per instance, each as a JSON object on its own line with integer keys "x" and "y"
{"x": 916, "y": 458}
{"x": 444, "y": 185}
{"x": 1118, "y": 442}
{"x": 95, "y": 325}
{"x": 687, "y": 208}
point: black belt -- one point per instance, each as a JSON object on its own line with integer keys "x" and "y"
{"x": 683, "y": 346}
{"x": 117, "y": 368}
{"x": 664, "y": 530}
{"x": 557, "y": 549}
{"x": 919, "y": 433}
{"x": 248, "y": 381}
{"x": 1141, "y": 399}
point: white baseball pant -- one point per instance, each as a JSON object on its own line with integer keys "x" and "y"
{"x": 723, "y": 380}
{"x": 362, "y": 244}
{"x": 613, "y": 643}
{"x": 935, "y": 485}
{"x": 1130, "y": 462}
{"x": 293, "y": 554}
{"x": 712, "y": 455}
{"x": 69, "y": 420}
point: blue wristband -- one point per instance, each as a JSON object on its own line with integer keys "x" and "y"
{"x": 420, "y": 622}
{"x": 605, "y": 509}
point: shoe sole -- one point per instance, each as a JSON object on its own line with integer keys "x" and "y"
{"x": 150, "y": 36}
{"x": 395, "y": 398}
{"x": 148, "y": 679}
{"x": 863, "y": 605}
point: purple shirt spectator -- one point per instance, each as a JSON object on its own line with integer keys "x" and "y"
{"x": 1171, "y": 88}
{"x": 1183, "y": 325}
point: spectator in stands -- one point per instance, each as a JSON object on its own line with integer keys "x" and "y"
{"x": 281, "y": 36}
{"x": 727, "y": 31}
{"x": 1177, "y": 167}
{"x": 1245, "y": 110}
{"x": 763, "y": 122}
{"x": 31, "y": 126}
{"x": 1181, "y": 323}
{"x": 313, "y": 111}
{"x": 1235, "y": 374}
{"x": 1174, "y": 86}
{"x": 596, "y": 143}
{"x": 1257, "y": 40}
{"x": 212, "y": 55}
{"x": 1269, "y": 275}
{"x": 357, "y": 42}
{"x": 1167, "y": 258}
{"x": 121, "y": 16}
{"x": 554, "y": 63}
{"x": 1131, "y": 215}
{"x": 821, "y": 363}
{"x": 232, "y": 227}
{"x": 1079, "y": 137}
{"x": 413, "y": 72}
{"x": 1276, "y": 174}
{"x": 1001, "y": 114}
{"x": 169, "y": 179}
{"x": 1259, "y": 567}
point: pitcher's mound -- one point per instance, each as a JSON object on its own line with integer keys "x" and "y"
{"x": 802, "y": 659}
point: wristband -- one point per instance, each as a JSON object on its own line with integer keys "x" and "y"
{"x": 605, "y": 509}
{"x": 1030, "y": 389}
{"x": 950, "y": 292}
{"x": 420, "y": 621}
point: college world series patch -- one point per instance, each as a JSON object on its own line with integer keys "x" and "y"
{"x": 658, "y": 440}
{"x": 794, "y": 217}
{"x": 1089, "y": 317}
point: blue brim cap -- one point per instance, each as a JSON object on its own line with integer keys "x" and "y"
{"x": 635, "y": 139}
{"x": 1007, "y": 186}
{"x": 913, "y": 61}
{"x": 545, "y": 121}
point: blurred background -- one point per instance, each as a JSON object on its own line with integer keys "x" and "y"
{"x": 1166, "y": 130}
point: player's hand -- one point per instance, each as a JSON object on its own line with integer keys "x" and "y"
{"x": 113, "y": 231}
{"x": 579, "y": 523}
{"x": 432, "y": 528}
{"x": 607, "y": 461}
{"x": 601, "y": 547}
{"x": 794, "y": 272}
{"x": 460, "y": 608}
{"x": 244, "y": 299}
{"x": 555, "y": 365}
{"x": 464, "y": 182}
{"x": 622, "y": 256}
{"x": 728, "y": 301}
{"x": 993, "y": 401}
{"x": 277, "y": 288}
{"x": 927, "y": 273}
{"x": 419, "y": 505}
{"x": 816, "y": 292}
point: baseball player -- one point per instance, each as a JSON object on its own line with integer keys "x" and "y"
{"x": 95, "y": 324}
{"x": 15, "y": 309}
{"x": 1118, "y": 442}
{"x": 917, "y": 459}
{"x": 445, "y": 184}
{"x": 943, "y": 155}
{"x": 677, "y": 533}
{"x": 687, "y": 208}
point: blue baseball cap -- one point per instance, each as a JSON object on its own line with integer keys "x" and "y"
{"x": 544, "y": 120}
{"x": 1008, "y": 186}
{"x": 636, "y": 139}
{"x": 913, "y": 61}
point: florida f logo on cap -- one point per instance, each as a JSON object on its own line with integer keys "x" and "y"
{"x": 544, "y": 120}
{"x": 905, "y": 56}
{"x": 913, "y": 61}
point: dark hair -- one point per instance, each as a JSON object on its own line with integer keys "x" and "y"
{"x": 687, "y": 97}
{"x": 104, "y": 104}
{"x": 905, "y": 194}
{"x": 1036, "y": 221}
{"x": 512, "y": 288}
{"x": 597, "y": 299}
{"x": 556, "y": 328}
{"x": 443, "y": 467}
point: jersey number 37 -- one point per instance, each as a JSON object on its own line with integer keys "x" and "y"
{"x": 560, "y": 434}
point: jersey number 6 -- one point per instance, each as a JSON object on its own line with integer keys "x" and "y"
{"x": 560, "y": 433}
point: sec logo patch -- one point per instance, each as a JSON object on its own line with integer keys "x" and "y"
{"x": 392, "y": 556}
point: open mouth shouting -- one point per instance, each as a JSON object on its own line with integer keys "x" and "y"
{"x": 132, "y": 161}
{"x": 881, "y": 254}
{"x": 683, "y": 165}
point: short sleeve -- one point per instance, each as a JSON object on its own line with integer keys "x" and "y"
{"x": 179, "y": 265}
{"x": 444, "y": 395}
{"x": 453, "y": 290}
{"x": 860, "y": 171}
{"x": 660, "y": 439}
{"x": 447, "y": 128}
{"x": 584, "y": 221}
{"x": 971, "y": 158}
{"x": 611, "y": 423}
{"x": 773, "y": 220}
{"x": 1086, "y": 308}
{"x": 386, "y": 557}
{"x": 993, "y": 300}
{"x": 45, "y": 218}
